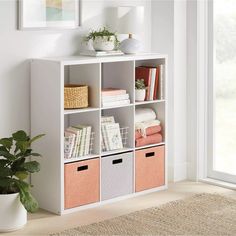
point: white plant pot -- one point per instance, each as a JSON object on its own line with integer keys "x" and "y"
{"x": 140, "y": 95}
{"x": 104, "y": 44}
{"x": 13, "y": 215}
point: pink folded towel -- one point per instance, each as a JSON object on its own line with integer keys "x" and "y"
{"x": 149, "y": 131}
{"x": 151, "y": 139}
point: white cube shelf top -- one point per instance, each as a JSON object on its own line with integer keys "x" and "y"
{"x": 79, "y": 60}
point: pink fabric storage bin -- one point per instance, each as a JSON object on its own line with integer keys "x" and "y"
{"x": 149, "y": 168}
{"x": 82, "y": 183}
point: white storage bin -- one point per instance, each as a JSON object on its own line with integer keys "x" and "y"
{"x": 117, "y": 175}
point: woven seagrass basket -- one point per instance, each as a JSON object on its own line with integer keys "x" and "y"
{"x": 75, "y": 96}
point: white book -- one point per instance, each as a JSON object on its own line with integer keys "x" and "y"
{"x": 105, "y": 120}
{"x": 113, "y": 136}
{"x": 77, "y": 139}
{"x": 83, "y": 130}
{"x": 94, "y": 53}
{"x": 116, "y": 103}
{"x": 105, "y": 139}
{"x": 161, "y": 86}
{"x": 69, "y": 144}
{"x": 153, "y": 80}
{"x": 87, "y": 141}
{"x": 115, "y": 98}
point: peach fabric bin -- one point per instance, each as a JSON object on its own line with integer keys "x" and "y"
{"x": 82, "y": 183}
{"x": 149, "y": 168}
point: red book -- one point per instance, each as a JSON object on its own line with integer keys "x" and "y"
{"x": 145, "y": 74}
{"x": 155, "y": 97}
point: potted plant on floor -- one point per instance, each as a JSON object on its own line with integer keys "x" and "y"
{"x": 15, "y": 168}
{"x": 103, "y": 40}
{"x": 140, "y": 90}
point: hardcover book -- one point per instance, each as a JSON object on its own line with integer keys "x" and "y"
{"x": 113, "y": 136}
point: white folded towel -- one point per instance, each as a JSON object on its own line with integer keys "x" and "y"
{"x": 143, "y": 126}
{"x": 144, "y": 114}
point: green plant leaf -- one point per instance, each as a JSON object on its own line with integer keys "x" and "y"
{"x": 36, "y": 138}
{"x": 3, "y": 162}
{"x": 20, "y": 136}
{"x": 21, "y": 175}
{"x": 26, "y": 198}
{"x": 22, "y": 146}
{"x": 17, "y": 165}
{"x": 32, "y": 166}
{"x": 6, "y": 182}
{"x": 5, "y": 172}
{"x": 7, "y": 155}
{"x": 7, "y": 142}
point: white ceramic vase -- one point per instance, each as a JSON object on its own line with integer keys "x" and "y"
{"x": 13, "y": 215}
{"x": 130, "y": 46}
{"x": 140, "y": 95}
{"x": 104, "y": 43}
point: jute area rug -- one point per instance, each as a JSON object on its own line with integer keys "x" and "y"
{"x": 202, "y": 214}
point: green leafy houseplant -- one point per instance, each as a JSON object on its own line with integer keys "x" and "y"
{"x": 15, "y": 168}
{"x": 139, "y": 84}
{"x": 103, "y": 32}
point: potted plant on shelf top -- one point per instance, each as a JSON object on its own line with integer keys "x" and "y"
{"x": 15, "y": 168}
{"x": 103, "y": 39}
{"x": 140, "y": 90}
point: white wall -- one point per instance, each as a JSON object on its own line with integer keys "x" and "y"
{"x": 169, "y": 36}
{"x": 17, "y": 47}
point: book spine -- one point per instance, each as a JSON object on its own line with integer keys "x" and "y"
{"x": 161, "y": 83}
{"x": 116, "y": 103}
{"x": 105, "y": 137}
{"x": 115, "y": 98}
{"x": 78, "y": 143}
{"x": 82, "y": 142}
{"x": 113, "y": 93}
{"x": 153, "y": 78}
{"x": 88, "y": 136}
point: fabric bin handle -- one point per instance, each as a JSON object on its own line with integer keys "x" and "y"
{"x": 150, "y": 154}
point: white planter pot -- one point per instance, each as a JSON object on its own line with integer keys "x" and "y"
{"x": 13, "y": 215}
{"x": 140, "y": 95}
{"x": 104, "y": 44}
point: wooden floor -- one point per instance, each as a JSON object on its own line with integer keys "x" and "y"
{"x": 43, "y": 223}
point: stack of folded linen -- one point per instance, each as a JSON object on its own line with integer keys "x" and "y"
{"x": 147, "y": 127}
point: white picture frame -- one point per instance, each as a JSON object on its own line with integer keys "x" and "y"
{"x": 33, "y": 15}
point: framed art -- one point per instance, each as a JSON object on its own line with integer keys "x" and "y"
{"x": 49, "y": 14}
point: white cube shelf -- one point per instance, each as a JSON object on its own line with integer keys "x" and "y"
{"x": 48, "y": 76}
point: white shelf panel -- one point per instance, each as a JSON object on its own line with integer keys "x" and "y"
{"x": 114, "y": 107}
{"x": 149, "y": 146}
{"x": 108, "y": 153}
{"x": 75, "y": 111}
{"x": 81, "y": 158}
{"x": 149, "y": 102}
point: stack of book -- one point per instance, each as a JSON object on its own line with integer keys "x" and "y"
{"x": 111, "y": 135}
{"x": 114, "y": 97}
{"x": 77, "y": 141}
{"x": 154, "y": 81}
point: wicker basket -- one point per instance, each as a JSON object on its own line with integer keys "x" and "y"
{"x": 75, "y": 96}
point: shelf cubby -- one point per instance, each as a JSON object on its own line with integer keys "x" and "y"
{"x": 160, "y": 111}
{"x": 119, "y": 75}
{"x": 91, "y": 119}
{"x": 86, "y": 74}
{"x": 125, "y": 117}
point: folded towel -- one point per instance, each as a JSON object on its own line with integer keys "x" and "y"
{"x": 144, "y": 114}
{"x": 143, "y": 126}
{"x": 152, "y": 139}
{"x": 149, "y": 131}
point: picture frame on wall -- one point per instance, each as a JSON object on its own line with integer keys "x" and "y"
{"x": 49, "y": 14}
